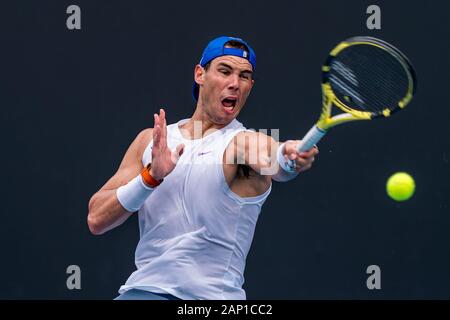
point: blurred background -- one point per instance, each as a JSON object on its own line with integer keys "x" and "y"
{"x": 71, "y": 102}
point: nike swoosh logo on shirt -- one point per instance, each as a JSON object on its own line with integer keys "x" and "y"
{"x": 203, "y": 153}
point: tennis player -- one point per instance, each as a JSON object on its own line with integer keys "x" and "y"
{"x": 198, "y": 186}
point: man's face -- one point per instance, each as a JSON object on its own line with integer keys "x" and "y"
{"x": 225, "y": 87}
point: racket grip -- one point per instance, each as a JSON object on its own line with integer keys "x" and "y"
{"x": 310, "y": 139}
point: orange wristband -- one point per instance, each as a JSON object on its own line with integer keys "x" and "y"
{"x": 148, "y": 179}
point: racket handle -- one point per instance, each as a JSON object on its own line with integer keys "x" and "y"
{"x": 310, "y": 139}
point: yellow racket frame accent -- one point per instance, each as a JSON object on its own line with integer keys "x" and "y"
{"x": 329, "y": 98}
{"x": 326, "y": 121}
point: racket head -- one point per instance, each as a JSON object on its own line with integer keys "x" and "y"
{"x": 367, "y": 78}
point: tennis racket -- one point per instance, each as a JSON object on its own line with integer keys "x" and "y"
{"x": 366, "y": 78}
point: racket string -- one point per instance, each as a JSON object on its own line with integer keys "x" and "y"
{"x": 368, "y": 78}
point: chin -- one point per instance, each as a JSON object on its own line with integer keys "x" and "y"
{"x": 223, "y": 119}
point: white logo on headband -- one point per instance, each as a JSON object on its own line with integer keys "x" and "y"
{"x": 244, "y": 54}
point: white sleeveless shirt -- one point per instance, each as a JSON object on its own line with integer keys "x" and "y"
{"x": 195, "y": 233}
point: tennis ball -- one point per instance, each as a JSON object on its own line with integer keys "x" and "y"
{"x": 400, "y": 186}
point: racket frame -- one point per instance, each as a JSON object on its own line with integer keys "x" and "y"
{"x": 326, "y": 121}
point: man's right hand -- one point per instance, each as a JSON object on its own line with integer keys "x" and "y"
{"x": 164, "y": 160}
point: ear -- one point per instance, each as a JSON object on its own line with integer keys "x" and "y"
{"x": 199, "y": 74}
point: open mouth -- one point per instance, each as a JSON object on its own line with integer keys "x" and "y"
{"x": 229, "y": 103}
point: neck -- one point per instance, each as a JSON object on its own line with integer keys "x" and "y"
{"x": 200, "y": 125}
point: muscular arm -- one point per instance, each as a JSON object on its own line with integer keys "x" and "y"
{"x": 105, "y": 211}
{"x": 259, "y": 152}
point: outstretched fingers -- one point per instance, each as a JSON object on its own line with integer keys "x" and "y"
{"x": 156, "y": 131}
{"x": 163, "y": 125}
{"x": 160, "y": 129}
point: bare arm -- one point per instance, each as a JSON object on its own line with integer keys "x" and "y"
{"x": 105, "y": 210}
{"x": 259, "y": 151}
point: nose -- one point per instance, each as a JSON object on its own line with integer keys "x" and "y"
{"x": 233, "y": 82}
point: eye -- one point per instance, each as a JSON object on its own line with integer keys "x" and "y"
{"x": 245, "y": 76}
{"x": 224, "y": 71}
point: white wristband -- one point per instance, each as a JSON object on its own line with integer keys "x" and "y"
{"x": 286, "y": 165}
{"x": 133, "y": 195}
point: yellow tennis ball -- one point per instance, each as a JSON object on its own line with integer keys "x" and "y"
{"x": 400, "y": 186}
